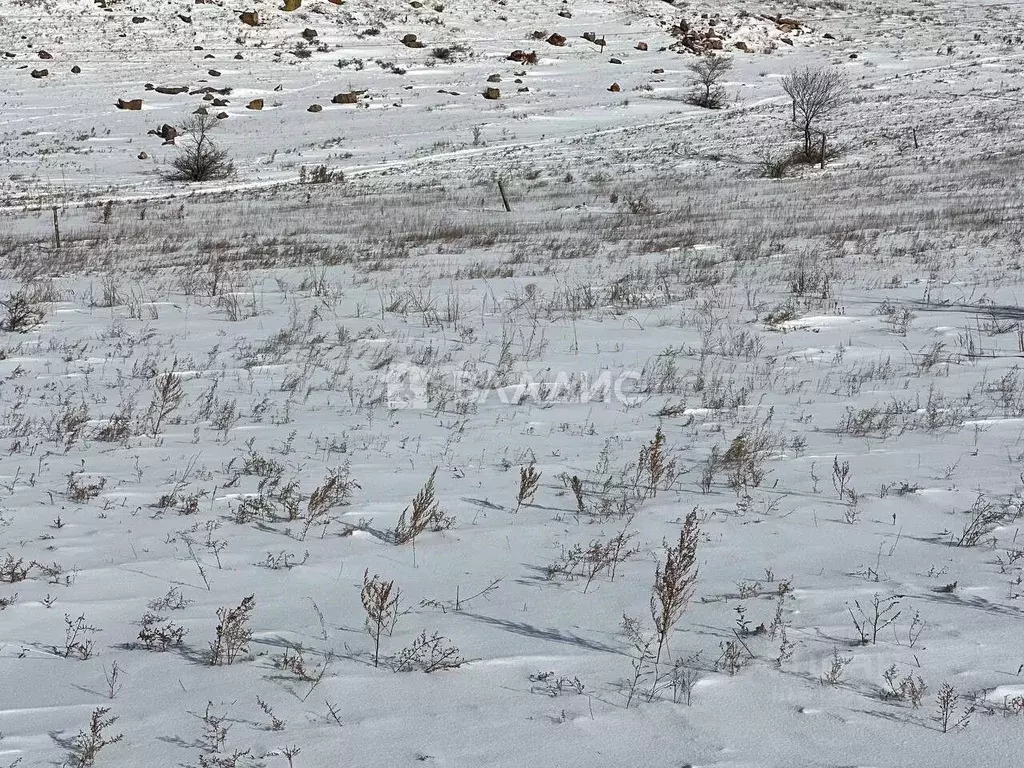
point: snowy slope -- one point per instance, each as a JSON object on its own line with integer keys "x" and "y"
{"x": 854, "y": 331}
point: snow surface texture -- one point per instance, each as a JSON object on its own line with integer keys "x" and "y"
{"x": 833, "y": 360}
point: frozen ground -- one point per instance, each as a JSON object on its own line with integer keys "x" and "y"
{"x": 833, "y": 359}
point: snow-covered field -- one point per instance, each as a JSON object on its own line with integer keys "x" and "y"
{"x": 235, "y": 389}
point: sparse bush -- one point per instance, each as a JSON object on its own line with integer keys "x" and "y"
{"x": 23, "y": 313}
{"x": 159, "y": 633}
{"x": 908, "y": 688}
{"x": 200, "y": 158}
{"x": 81, "y": 490}
{"x": 705, "y": 74}
{"x": 426, "y": 514}
{"x": 168, "y": 395}
{"x": 529, "y": 478}
{"x": 381, "y": 602}
{"x": 77, "y": 640}
{"x": 834, "y": 674}
{"x": 674, "y": 582}
{"x": 233, "y": 632}
{"x": 428, "y": 654}
{"x": 86, "y": 746}
{"x": 335, "y": 491}
{"x": 12, "y": 571}
{"x": 599, "y": 557}
{"x": 773, "y": 164}
{"x": 880, "y": 613}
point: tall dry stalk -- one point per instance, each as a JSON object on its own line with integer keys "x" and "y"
{"x": 675, "y": 582}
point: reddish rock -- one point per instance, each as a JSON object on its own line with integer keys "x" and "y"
{"x": 557, "y": 39}
{"x": 614, "y": 88}
{"x": 130, "y": 104}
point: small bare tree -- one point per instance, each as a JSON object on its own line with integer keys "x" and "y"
{"x": 815, "y": 92}
{"x": 706, "y": 73}
{"x": 200, "y": 158}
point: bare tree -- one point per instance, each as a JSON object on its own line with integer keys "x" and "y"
{"x": 706, "y": 73}
{"x": 816, "y": 92}
{"x": 201, "y": 159}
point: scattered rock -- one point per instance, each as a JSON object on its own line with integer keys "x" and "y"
{"x": 613, "y": 60}
{"x": 171, "y": 90}
{"x": 201, "y": 111}
{"x": 252, "y": 18}
{"x": 565, "y": 14}
{"x": 539, "y": 35}
{"x": 143, "y": 156}
{"x": 279, "y": 87}
{"x": 829, "y": 36}
{"x": 557, "y": 39}
{"x": 139, "y": 19}
{"x": 614, "y": 88}
{"x": 853, "y": 55}
{"x": 291, "y": 5}
{"x": 209, "y": 56}
{"x": 658, "y": 71}
{"x": 210, "y": 89}
{"x": 523, "y": 57}
{"x": 208, "y": 97}
{"x": 641, "y": 46}
{"x": 786, "y": 40}
{"x": 131, "y": 104}
{"x": 222, "y": 115}
{"x": 238, "y": 57}
{"x": 76, "y": 70}
{"x": 213, "y": 73}
{"x": 309, "y": 33}
{"x": 220, "y": 102}
{"x": 166, "y": 132}
{"x": 589, "y": 36}
{"x": 256, "y": 105}
{"x": 741, "y": 46}
{"x": 40, "y": 73}
{"x": 352, "y": 97}
{"x": 410, "y": 41}
{"x": 314, "y": 108}
{"x": 492, "y": 93}
{"x": 186, "y": 19}
{"x": 494, "y": 79}
{"x": 45, "y": 55}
